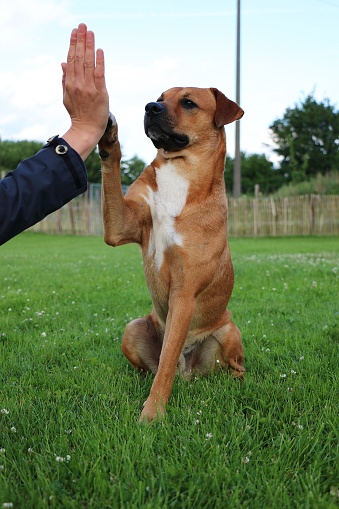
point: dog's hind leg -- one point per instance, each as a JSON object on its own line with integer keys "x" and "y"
{"x": 141, "y": 344}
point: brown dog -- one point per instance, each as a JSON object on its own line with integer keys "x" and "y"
{"x": 177, "y": 212}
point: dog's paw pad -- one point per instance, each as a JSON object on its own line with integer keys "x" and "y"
{"x": 103, "y": 154}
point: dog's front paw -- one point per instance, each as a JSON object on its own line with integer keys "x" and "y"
{"x": 109, "y": 143}
{"x": 152, "y": 411}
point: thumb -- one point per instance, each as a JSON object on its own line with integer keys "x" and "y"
{"x": 64, "y": 70}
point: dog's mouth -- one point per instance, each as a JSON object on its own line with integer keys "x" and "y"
{"x": 169, "y": 141}
{"x": 159, "y": 127}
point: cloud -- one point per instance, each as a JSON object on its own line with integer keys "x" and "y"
{"x": 19, "y": 19}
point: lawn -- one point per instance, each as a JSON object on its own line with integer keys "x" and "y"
{"x": 69, "y": 400}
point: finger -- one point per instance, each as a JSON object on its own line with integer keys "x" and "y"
{"x": 80, "y": 51}
{"x": 99, "y": 72}
{"x": 71, "y": 55}
{"x": 89, "y": 61}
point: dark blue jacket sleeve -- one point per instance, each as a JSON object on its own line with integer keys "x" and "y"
{"x": 40, "y": 185}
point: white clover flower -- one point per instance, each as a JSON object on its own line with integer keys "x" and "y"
{"x": 59, "y": 459}
{"x": 209, "y": 436}
{"x": 199, "y": 412}
{"x": 68, "y": 457}
{"x": 300, "y": 426}
{"x": 246, "y": 460}
{"x": 293, "y": 372}
{"x": 30, "y": 450}
{"x": 2, "y": 450}
{"x": 43, "y": 334}
{"x": 4, "y": 411}
{"x": 7, "y": 504}
{"x": 197, "y": 421}
{"x": 2, "y": 467}
{"x": 283, "y": 375}
{"x": 13, "y": 429}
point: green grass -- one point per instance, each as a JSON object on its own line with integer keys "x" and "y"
{"x": 270, "y": 442}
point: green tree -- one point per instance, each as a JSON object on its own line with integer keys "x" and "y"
{"x": 93, "y": 167}
{"x": 130, "y": 169}
{"x": 255, "y": 169}
{"x": 12, "y": 152}
{"x": 307, "y": 138}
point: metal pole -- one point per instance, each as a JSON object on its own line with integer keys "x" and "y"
{"x": 237, "y": 159}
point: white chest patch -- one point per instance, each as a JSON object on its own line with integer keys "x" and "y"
{"x": 166, "y": 204}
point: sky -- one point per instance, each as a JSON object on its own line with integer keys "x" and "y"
{"x": 289, "y": 49}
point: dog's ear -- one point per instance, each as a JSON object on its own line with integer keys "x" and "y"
{"x": 227, "y": 111}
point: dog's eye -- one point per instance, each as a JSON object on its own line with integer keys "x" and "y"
{"x": 188, "y": 104}
{"x": 160, "y": 100}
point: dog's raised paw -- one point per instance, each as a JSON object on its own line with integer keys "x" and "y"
{"x": 109, "y": 140}
{"x": 111, "y": 122}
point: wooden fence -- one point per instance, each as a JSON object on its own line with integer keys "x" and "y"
{"x": 296, "y": 215}
{"x": 247, "y": 217}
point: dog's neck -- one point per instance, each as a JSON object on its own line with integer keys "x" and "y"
{"x": 188, "y": 163}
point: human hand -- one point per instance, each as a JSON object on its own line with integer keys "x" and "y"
{"x": 84, "y": 92}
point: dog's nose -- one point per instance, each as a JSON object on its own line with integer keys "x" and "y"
{"x": 154, "y": 108}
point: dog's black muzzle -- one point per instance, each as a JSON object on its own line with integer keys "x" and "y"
{"x": 153, "y": 109}
{"x": 159, "y": 128}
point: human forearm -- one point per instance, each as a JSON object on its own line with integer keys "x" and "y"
{"x": 40, "y": 185}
